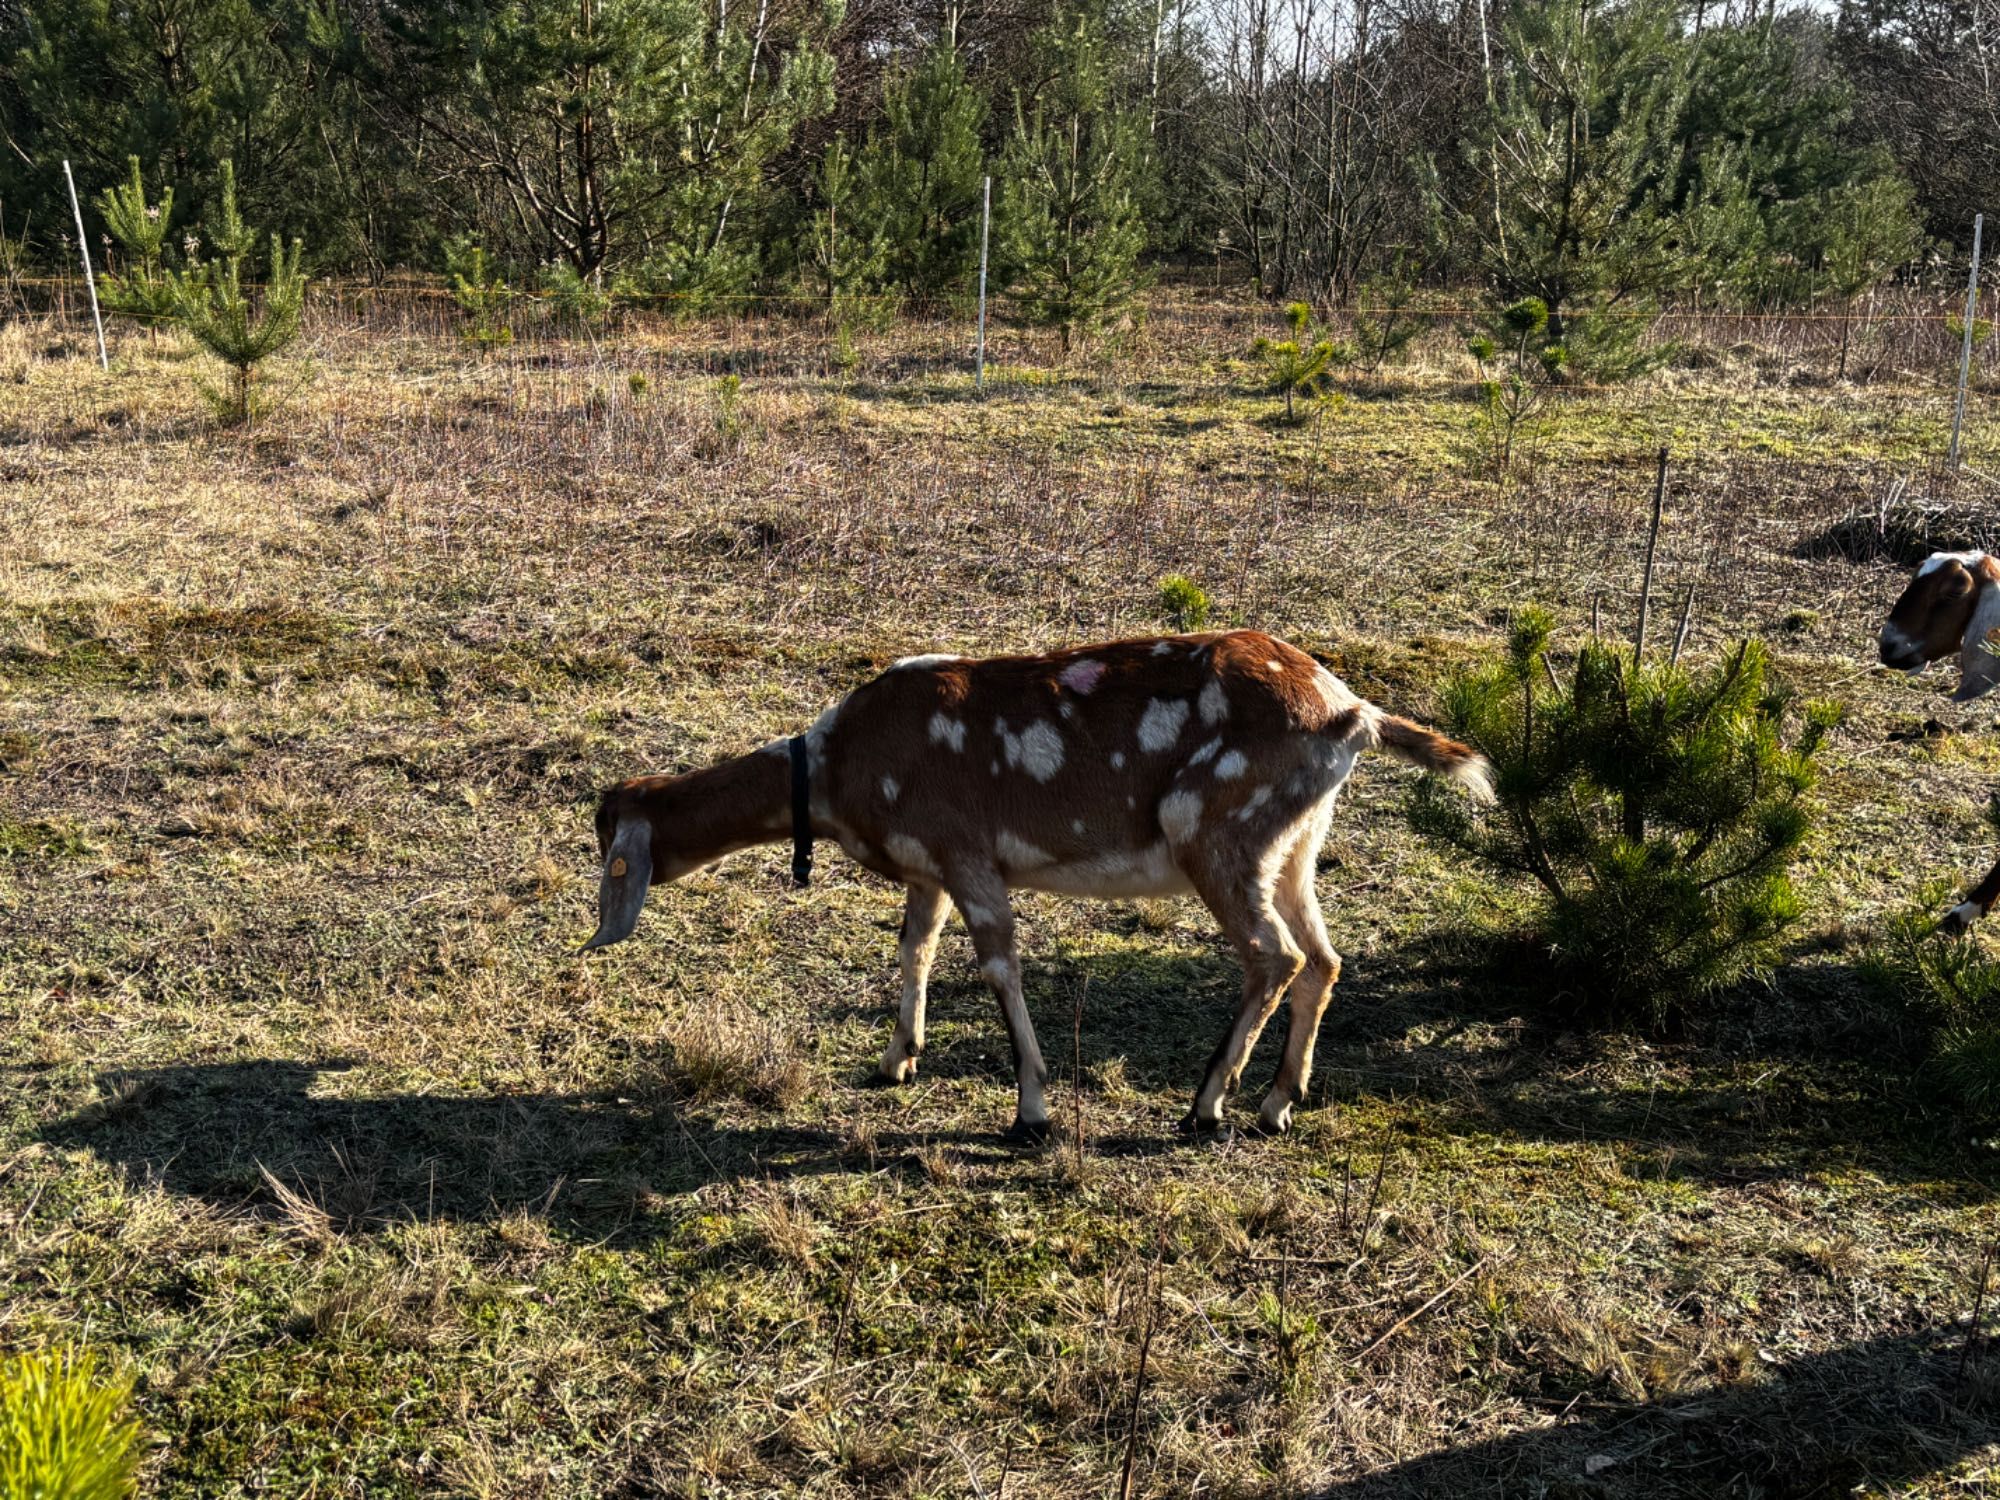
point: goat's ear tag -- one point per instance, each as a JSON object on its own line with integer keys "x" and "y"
{"x": 618, "y": 868}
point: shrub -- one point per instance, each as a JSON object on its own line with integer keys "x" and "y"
{"x": 1183, "y": 602}
{"x": 1516, "y": 364}
{"x": 575, "y": 301}
{"x": 481, "y": 292}
{"x": 141, "y": 290}
{"x": 213, "y": 306}
{"x": 1388, "y": 319}
{"x": 1656, "y": 806}
{"x": 1299, "y": 365}
{"x": 1951, "y": 987}
{"x": 65, "y": 1434}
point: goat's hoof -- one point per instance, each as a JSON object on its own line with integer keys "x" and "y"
{"x": 889, "y": 1075}
{"x": 1267, "y": 1129}
{"x": 1026, "y": 1132}
{"x": 1193, "y": 1124}
{"x": 1959, "y": 919}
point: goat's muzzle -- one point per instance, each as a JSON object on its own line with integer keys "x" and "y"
{"x": 1898, "y": 650}
{"x": 621, "y": 893}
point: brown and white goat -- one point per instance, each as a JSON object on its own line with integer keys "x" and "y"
{"x": 1198, "y": 763}
{"x": 1952, "y": 605}
{"x": 1977, "y": 903}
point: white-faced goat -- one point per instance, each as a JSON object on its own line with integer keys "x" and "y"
{"x": 1199, "y": 763}
{"x": 1951, "y": 606}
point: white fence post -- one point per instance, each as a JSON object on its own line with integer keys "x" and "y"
{"x": 89, "y": 280}
{"x": 1965, "y": 355}
{"x": 985, "y": 229}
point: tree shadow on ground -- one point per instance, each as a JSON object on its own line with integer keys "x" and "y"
{"x": 1810, "y": 1074}
{"x": 1868, "y": 1418}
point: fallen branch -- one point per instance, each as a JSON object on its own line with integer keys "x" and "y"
{"x": 1405, "y": 1321}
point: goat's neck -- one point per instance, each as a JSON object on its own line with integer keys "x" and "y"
{"x": 700, "y": 817}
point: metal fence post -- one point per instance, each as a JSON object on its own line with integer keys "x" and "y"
{"x": 985, "y": 229}
{"x": 89, "y": 279}
{"x": 1965, "y": 354}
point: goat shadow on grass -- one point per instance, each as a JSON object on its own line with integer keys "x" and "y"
{"x": 1807, "y": 1075}
{"x": 1871, "y": 1417}
{"x": 283, "y": 1137}
{"x": 1450, "y": 1043}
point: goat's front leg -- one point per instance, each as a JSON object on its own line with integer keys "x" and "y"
{"x": 1978, "y": 902}
{"x": 982, "y": 897}
{"x": 923, "y": 919}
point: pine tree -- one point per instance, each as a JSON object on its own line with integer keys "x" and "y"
{"x": 1656, "y": 806}
{"x": 66, "y": 1428}
{"x": 1070, "y": 228}
{"x": 922, "y": 167}
{"x": 1866, "y": 229}
{"x": 1517, "y": 363}
{"x": 1298, "y": 366}
{"x": 140, "y": 290}
{"x": 210, "y": 300}
{"x": 1579, "y": 157}
{"x": 481, "y": 292}
{"x": 848, "y": 244}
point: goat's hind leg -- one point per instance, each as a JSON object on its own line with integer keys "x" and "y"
{"x": 923, "y": 919}
{"x": 1240, "y": 896}
{"x": 1298, "y": 905}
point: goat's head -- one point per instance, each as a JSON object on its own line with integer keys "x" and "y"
{"x": 655, "y": 829}
{"x": 1930, "y": 620}
{"x": 625, "y": 844}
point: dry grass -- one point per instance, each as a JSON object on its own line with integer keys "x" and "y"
{"x": 310, "y": 1114}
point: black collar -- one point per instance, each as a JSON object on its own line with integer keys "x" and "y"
{"x": 802, "y": 829}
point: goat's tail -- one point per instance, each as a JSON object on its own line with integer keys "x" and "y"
{"x": 1433, "y": 752}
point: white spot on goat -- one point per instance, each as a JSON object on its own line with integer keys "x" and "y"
{"x": 1017, "y": 853}
{"x": 979, "y": 916}
{"x": 816, "y": 737}
{"x": 1081, "y": 676}
{"x": 1162, "y": 648}
{"x": 1214, "y": 702}
{"x": 1038, "y": 749}
{"x": 1180, "y": 813}
{"x": 1205, "y": 753}
{"x": 1161, "y": 724}
{"x": 910, "y": 855}
{"x": 890, "y": 787}
{"x": 1249, "y": 809}
{"x": 1076, "y": 825}
{"x": 918, "y": 663}
{"x": 1117, "y": 760}
{"x": 947, "y": 731}
{"x": 998, "y": 970}
{"x": 1941, "y": 559}
{"x": 1230, "y": 766}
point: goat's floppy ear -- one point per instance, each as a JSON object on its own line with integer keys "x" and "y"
{"x": 1978, "y": 665}
{"x": 628, "y": 874}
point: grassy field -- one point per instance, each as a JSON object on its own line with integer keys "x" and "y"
{"x": 310, "y": 1115}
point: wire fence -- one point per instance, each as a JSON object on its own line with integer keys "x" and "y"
{"x": 1206, "y": 330}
